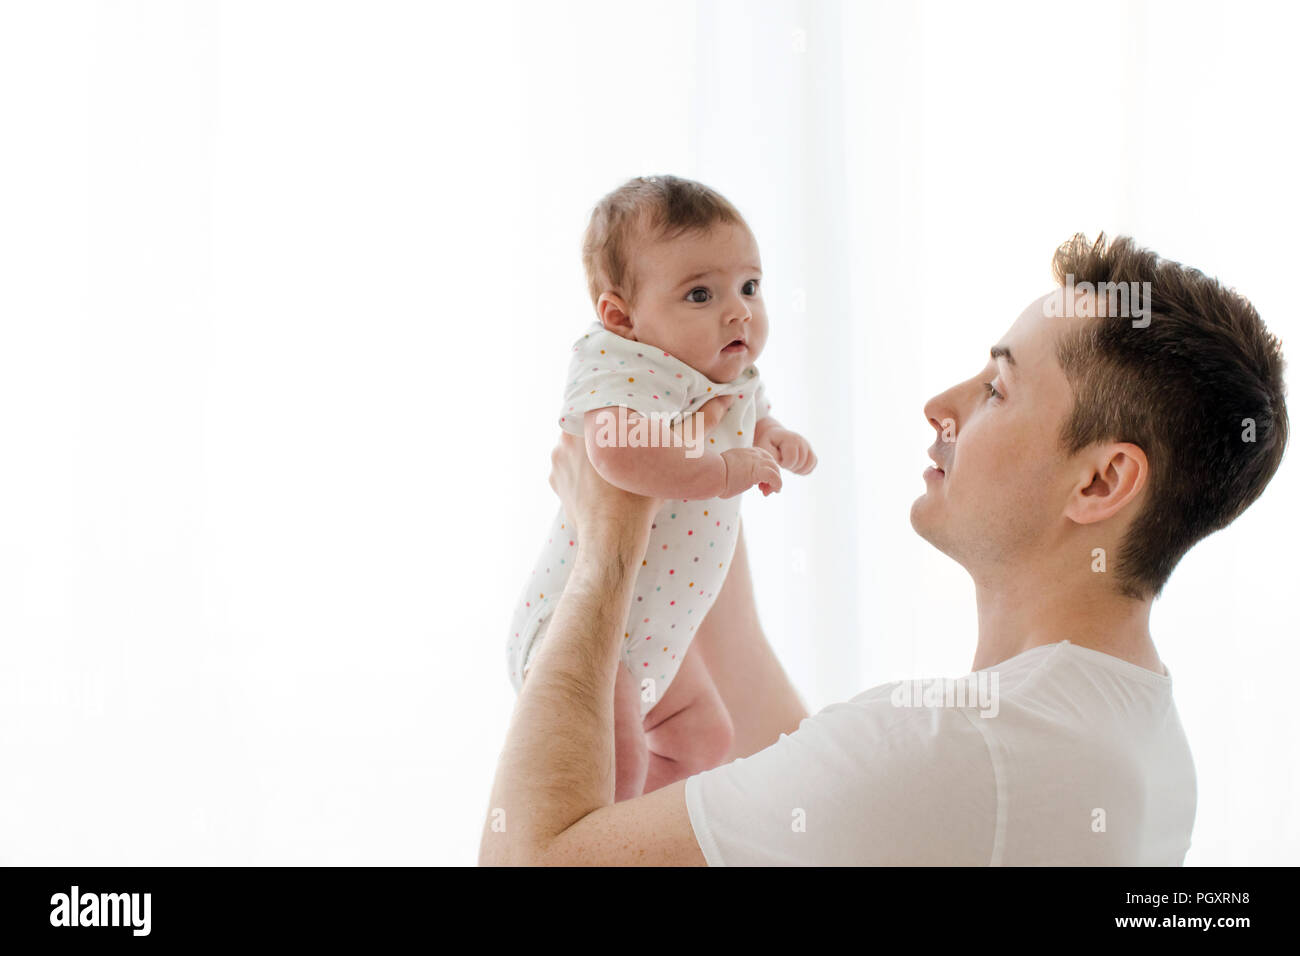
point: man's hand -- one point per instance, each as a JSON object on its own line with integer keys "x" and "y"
{"x": 790, "y": 449}
{"x": 590, "y": 502}
{"x": 712, "y": 412}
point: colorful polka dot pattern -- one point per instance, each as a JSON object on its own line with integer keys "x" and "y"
{"x": 691, "y": 542}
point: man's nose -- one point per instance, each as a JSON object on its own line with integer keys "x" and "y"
{"x": 940, "y": 414}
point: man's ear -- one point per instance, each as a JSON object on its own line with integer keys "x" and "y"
{"x": 1113, "y": 476}
{"x": 615, "y": 314}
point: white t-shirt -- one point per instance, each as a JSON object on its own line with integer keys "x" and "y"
{"x": 1060, "y": 755}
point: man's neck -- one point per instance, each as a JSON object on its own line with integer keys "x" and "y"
{"x": 1032, "y": 611}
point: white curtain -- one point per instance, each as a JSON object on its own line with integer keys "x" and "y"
{"x": 286, "y": 291}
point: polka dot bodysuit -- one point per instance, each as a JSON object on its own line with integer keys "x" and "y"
{"x": 691, "y": 542}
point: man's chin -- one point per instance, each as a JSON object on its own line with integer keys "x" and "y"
{"x": 917, "y": 515}
{"x": 923, "y": 520}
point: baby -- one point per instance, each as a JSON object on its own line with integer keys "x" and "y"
{"x": 664, "y": 390}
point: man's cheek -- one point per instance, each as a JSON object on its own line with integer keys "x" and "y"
{"x": 990, "y": 485}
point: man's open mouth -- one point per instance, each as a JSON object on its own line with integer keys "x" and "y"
{"x": 936, "y": 470}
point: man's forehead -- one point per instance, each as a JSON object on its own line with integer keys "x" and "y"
{"x": 1032, "y": 338}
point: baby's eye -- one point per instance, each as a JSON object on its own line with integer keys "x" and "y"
{"x": 751, "y": 287}
{"x": 691, "y": 297}
{"x": 992, "y": 392}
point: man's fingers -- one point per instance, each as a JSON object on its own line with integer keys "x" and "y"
{"x": 714, "y": 410}
{"x": 557, "y": 458}
{"x": 564, "y": 464}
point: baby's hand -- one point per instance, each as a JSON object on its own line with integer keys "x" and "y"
{"x": 747, "y": 467}
{"x": 789, "y": 448}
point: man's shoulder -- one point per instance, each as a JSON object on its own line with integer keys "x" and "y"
{"x": 1047, "y": 696}
{"x": 910, "y": 725}
{"x": 929, "y": 704}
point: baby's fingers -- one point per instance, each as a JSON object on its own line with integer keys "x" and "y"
{"x": 770, "y": 475}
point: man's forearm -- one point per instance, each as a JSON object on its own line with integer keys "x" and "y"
{"x": 557, "y": 765}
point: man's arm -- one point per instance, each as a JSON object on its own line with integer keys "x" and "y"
{"x": 652, "y": 830}
{"x": 759, "y": 696}
{"x": 553, "y": 798}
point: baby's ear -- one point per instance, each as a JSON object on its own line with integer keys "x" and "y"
{"x": 615, "y": 314}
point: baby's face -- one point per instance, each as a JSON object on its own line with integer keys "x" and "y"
{"x": 698, "y": 294}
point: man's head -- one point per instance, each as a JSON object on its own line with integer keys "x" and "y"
{"x": 671, "y": 263}
{"x": 1136, "y": 409}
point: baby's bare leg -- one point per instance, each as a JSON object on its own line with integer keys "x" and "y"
{"x": 689, "y": 731}
{"x": 630, "y": 756}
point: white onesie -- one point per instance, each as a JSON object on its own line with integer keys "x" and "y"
{"x": 691, "y": 542}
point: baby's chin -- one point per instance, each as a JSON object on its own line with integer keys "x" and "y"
{"x": 720, "y": 368}
{"x": 728, "y": 367}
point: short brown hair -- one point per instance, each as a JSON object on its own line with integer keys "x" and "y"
{"x": 646, "y": 208}
{"x": 1182, "y": 389}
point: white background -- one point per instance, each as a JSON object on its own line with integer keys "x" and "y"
{"x": 286, "y": 294}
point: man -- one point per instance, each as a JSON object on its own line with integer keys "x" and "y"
{"x": 1122, "y": 418}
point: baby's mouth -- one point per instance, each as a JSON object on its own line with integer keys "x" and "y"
{"x": 736, "y": 345}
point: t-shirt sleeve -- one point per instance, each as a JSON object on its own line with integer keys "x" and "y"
{"x": 608, "y": 370}
{"x": 860, "y": 783}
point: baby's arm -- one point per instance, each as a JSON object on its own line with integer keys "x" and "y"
{"x": 667, "y": 472}
{"x": 789, "y": 448}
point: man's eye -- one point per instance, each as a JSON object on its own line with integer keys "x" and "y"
{"x": 691, "y": 297}
{"x": 751, "y": 287}
{"x": 992, "y": 392}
